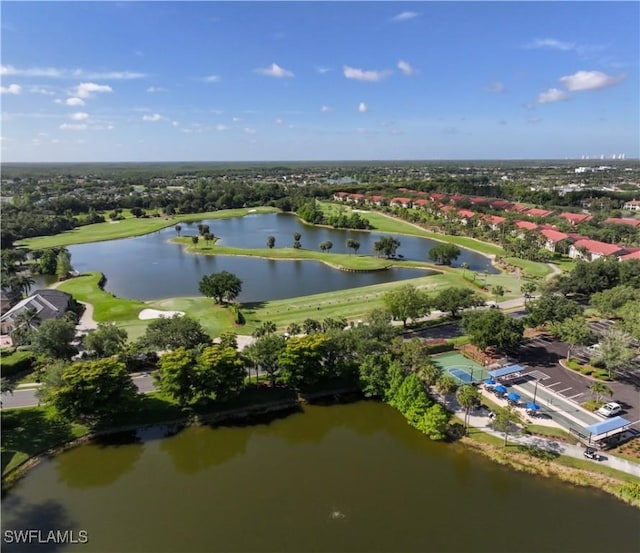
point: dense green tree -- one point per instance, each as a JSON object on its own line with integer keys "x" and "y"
{"x": 53, "y": 338}
{"x": 264, "y": 353}
{"x": 608, "y": 302}
{"x": 220, "y": 372}
{"x": 468, "y": 397}
{"x": 491, "y": 327}
{"x": 174, "y": 332}
{"x": 574, "y": 331}
{"x": 94, "y": 391}
{"x": 176, "y": 376}
{"x": 551, "y": 308}
{"x": 302, "y": 360}
{"x": 106, "y": 340}
{"x": 326, "y": 245}
{"x": 222, "y": 286}
{"x": 406, "y": 302}
{"x": 310, "y": 326}
{"x": 395, "y": 378}
{"x": 271, "y": 242}
{"x": 293, "y": 329}
{"x": 528, "y": 288}
{"x": 352, "y": 245}
{"x": 615, "y": 350}
{"x": 63, "y": 264}
{"x": 429, "y": 372}
{"x": 630, "y": 314}
{"x": 446, "y": 384}
{"x": 453, "y": 300}
{"x": 387, "y": 246}
{"x": 373, "y": 374}
{"x": 228, "y": 340}
{"x": 434, "y": 422}
{"x": 444, "y": 253}
{"x": 194, "y": 240}
{"x": 178, "y": 229}
{"x": 296, "y": 240}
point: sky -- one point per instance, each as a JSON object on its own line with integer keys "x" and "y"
{"x": 275, "y": 81}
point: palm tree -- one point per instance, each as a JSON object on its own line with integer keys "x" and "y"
{"x": 194, "y": 240}
{"x": 178, "y": 229}
{"x": 296, "y": 240}
{"x": 468, "y": 397}
{"x": 598, "y": 389}
{"x": 356, "y": 246}
{"x": 464, "y": 266}
{"x": 271, "y": 242}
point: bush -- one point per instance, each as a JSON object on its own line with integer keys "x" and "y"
{"x": 16, "y": 362}
{"x": 475, "y": 282}
{"x": 587, "y": 370}
{"x": 602, "y": 375}
{"x": 238, "y": 317}
{"x": 438, "y": 348}
{"x": 574, "y": 365}
{"x": 592, "y": 405}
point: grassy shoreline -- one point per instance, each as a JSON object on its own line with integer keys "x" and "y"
{"x": 130, "y": 227}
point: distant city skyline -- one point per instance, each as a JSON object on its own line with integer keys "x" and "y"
{"x": 268, "y": 81}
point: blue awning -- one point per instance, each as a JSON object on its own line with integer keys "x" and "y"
{"x": 500, "y": 389}
{"x": 533, "y": 407}
{"x": 616, "y": 423}
{"x": 489, "y": 381}
{"x": 504, "y": 371}
{"x": 512, "y": 396}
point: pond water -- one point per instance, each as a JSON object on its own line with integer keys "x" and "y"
{"x": 341, "y": 478}
{"x": 151, "y": 267}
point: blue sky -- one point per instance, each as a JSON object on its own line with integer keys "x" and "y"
{"x": 234, "y": 81}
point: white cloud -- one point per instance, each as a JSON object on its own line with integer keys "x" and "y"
{"x": 175, "y": 123}
{"x": 154, "y": 117}
{"x": 404, "y": 16}
{"x": 211, "y": 79}
{"x": 247, "y": 130}
{"x": 274, "y": 71}
{"x": 363, "y": 108}
{"x": 278, "y": 121}
{"x": 365, "y": 75}
{"x": 79, "y": 116}
{"x": 41, "y": 90}
{"x": 326, "y": 109}
{"x": 590, "y": 80}
{"x": 11, "y": 89}
{"x": 74, "y": 101}
{"x": 154, "y": 89}
{"x": 405, "y": 67}
{"x": 236, "y": 119}
{"x": 73, "y": 127}
{"x": 322, "y": 70}
{"x": 550, "y": 43}
{"x": 86, "y": 90}
{"x": 58, "y": 73}
{"x": 222, "y": 128}
{"x": 496, "y": 87}
{"x": 552, "y": 95}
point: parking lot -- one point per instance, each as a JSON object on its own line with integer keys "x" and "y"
{"x": 541, "y": 356}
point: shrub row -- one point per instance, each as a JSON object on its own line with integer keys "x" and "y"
{"x": 238, "y": 317}
{"x": 475, "y": 282}
{"x": 16, "y": 362}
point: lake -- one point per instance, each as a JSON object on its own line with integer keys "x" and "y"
{"x": 342, "y": 478}
{"x": 150, "y": 267}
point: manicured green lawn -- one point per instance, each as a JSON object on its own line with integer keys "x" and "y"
{"x": 386, "y": 223}
{"x": 341, "y": 260}
{"x": 29, "y": 431}
{"x": 130, "y": 227}
{"x": 532, "y": 267}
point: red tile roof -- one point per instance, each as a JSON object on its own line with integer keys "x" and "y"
{"x": 496, "y": 219}
{"x": 593, "y": 246}
{"x": 526, "y": 225}
{"x": 535, "y": 212}
{"x": 466, "y": 213}
{"x": 554, "y": 236}
{"x": 479, "y": 200}
{"x": 576, "y": 218}
{"x": 421, "y": 202}
{"x": 500, "y": 204}
{"x": 401, "y": 200}
{"x": 634, "y": 255}
{"x": 624, "y": 221}
{"x": 518, "y": 207}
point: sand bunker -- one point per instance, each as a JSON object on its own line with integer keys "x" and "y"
{"x": 147, "y": 314}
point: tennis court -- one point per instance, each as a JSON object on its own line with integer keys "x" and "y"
{"x": 460, "y": 367}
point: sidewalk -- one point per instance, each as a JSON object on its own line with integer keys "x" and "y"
{"x": 483, "y": 423}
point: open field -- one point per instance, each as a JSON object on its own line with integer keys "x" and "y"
{"x": 130, "y": 227}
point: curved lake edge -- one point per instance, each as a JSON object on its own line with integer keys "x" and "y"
{"x": 255, "y": 414}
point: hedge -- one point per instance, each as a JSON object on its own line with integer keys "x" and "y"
{"x": 16, "y": 362}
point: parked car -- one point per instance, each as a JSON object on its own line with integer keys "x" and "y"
{"x": 610, "y": 409}
{"x": 591, "y": 453}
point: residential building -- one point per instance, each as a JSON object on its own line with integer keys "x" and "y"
{"x": 593, "y": 249}
{"x": 553, "y": 238}
{"x": 630, "y": 221}
{"x": 633, "y": 205}
{"x": 576, "y": 218}
{"x": 42, "y": 305}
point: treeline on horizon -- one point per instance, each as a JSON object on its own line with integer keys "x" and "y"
{"x": 64, "y": 202}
